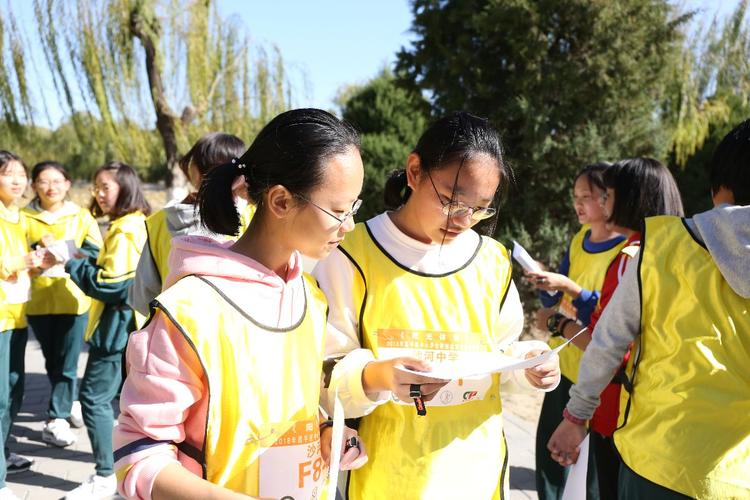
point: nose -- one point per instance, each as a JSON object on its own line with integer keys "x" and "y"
{"x": 463, "y": 220}
{"x": 347, "y": 226}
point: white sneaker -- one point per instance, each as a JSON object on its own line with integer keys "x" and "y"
{"x": 95, "y": 487}
{"x": 7, "y": 494}
{"x": 76, "y": 416}
{"x": 18, "y": 463}
{"x": 58, "y": 433}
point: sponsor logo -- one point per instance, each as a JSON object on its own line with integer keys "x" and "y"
{"x": 469, "y": 395}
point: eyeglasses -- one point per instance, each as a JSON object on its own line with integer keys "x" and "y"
{"x": 343, "y": 218}
{"x": 460, "y": 209}
{"x": 100, "y": 189}
{"x": 46, "y": 184}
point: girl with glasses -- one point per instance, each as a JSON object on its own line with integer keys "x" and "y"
{"x": 222, "y": 394}
{"x": 106, "y": 279}
{"x": 58, "y": 309}
{"x": 417, "y": 285}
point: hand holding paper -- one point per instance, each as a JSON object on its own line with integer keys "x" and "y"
{"x": 485, "y": 364}
{"x": 528, "y": 264}
{"x": 545, "y": 375}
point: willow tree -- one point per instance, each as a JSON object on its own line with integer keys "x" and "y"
{"x": 132, "y": 65}
{"x": 712, "y": 88}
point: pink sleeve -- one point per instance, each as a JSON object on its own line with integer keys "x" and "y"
{"x": 158, "y": 405}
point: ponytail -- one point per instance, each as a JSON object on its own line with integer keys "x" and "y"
{"x": 218, "y": 212}
{"x": 396, "y": 190}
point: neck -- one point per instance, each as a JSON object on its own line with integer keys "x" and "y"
{"x": 404, "y": 219}
{"x": 600, "y": 232}
{"x": 264, "y": 245}
{"x": 52, "y": 207}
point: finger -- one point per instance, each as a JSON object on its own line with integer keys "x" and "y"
{"x": 348, "y": 458}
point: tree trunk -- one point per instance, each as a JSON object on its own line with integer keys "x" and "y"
{"x": 145, "y": 27}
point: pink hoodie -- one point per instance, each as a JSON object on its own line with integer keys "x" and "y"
{"x": 163, "y": 399}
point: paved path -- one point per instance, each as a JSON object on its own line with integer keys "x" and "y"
{"x": 57, "y": 470}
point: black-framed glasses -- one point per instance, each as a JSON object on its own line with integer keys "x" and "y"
{"x": 340, "y": 220}
{"x": 457, "y": 208}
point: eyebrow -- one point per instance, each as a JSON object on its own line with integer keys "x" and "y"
{"x": 461, "y": 192}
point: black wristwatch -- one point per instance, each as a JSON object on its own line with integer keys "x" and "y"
{"x": 553, "y": 324}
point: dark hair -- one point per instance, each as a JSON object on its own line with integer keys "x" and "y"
{"x": 454, "y": 138}
{"x": 46, "y": 165}
{"x": 210, "y": 151}
{"x": 130, "y": 198}
{"x": 594, "y": 174}
{"x": 6, "y": 157}
{"x": 291, "y": 151}
{"x": 644, "y": 187}
{"x": 730, "y": 165}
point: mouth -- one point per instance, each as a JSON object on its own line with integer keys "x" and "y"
{"x": 335, "y": 243}
{"x": 450, "y": 233}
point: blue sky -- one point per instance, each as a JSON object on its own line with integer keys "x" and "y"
{"x": 332, "y": 43}
{"x": 327, "y": 44}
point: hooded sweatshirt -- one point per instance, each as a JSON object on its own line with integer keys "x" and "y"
{"x": 163, "y": 400}
{"x": 182, "y": 219}
{"x": 725, "y": 230}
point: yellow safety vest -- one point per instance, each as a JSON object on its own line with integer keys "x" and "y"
{"x": 686, "y": 425}
{"x": 59, "y": 295}
{"x": 458, "y": 449}
{"x": 160, "y": 238}
{"x": 262, "y": 435}
{"x": 588, "y": 269}
{"x": 14, "y": 291}
{"x": 118, "y": 258}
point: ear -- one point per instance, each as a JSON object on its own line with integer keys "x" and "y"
{"x": 413, "y": 170}
{"x": 279, "y": 201}
{"x": 194, "y": 176}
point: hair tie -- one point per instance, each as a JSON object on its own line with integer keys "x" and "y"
{"x": 240, "y": 166}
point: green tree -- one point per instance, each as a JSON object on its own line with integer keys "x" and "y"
{"x": 568, "y": 82}
{"x": 712, "y": 95}
{"x": 390, "y": 119}
{"x": 133, "y": 64}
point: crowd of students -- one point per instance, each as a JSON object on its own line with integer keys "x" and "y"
{"x": 228, "y": 357}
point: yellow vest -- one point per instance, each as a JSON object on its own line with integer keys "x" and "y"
{"x": 118, "y": 258}
{"x": 262, "y": 435}
{"x": 160, "y": 238}
{"x": 588, "y": 270}
{"x": 458, "y": 449}
{"x": 14, "y": 291}
{"x": 58, "y": 295}
{"x": 687, "y": 424}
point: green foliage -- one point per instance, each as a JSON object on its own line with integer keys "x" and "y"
{"x": 390, "y": 120}
{"x": 567, "y": 82}
{"x": 119, "y": 67}
{"x": 710, "y": 96}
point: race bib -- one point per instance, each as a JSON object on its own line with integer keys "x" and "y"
{"x": 293, "y": 469}
{"x": 437, "y": 348}
{"x": 17, "y": 290}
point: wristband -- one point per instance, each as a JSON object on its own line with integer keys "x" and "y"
{"x": 553, "y": 321}
{"x": 571, "y": 418}
{"x": 324, "y": 424}
{"x": 560, "y": 331}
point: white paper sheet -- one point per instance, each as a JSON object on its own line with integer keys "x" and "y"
{"x": 575, "y": 486}
{"x": 479, "y": 366}
{"x": 63, "y": 250}
{"x": 529, "y": 265}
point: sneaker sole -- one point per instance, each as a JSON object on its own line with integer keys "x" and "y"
{"x": 17, "y": 471}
